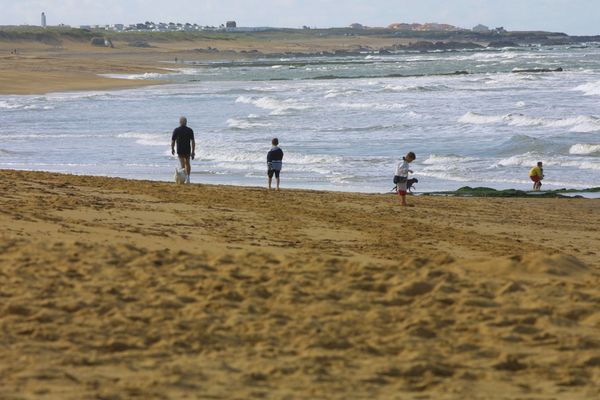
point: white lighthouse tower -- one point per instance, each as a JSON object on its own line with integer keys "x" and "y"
{"x": 43, "y": 20}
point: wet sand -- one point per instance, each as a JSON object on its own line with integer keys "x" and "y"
{"x": 118, "y": 289}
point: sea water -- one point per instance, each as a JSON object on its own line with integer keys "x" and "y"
{"x": 343, "y": 122}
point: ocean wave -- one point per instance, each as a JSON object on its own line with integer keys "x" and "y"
{"x": 241, "y": 124}
{"x": 585, "y": 149}
{"x": 434, "y": 159}
{"x": 337, "y": 93}
{"x": 144, "y": 76}
{"x": 148, "y": 139}
{"x": 589, "y": 89}
{"x": 373, "y": 106}
{"x": 582, "y": 123}
{"x": 277, "y": 107}
{"x": 531, "y": 158}
{"x": 415, "y": 88}
{"x": 12, "y": 105}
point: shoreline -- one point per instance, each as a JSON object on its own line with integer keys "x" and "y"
{"x": 219, "y": 291}
{"x": 465, "y": 191}
{"x": 67, "y": 61}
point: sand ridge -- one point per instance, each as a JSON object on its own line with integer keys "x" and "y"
{"x": 129, "y": 289}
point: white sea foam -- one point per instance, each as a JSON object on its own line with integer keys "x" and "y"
{"x": 434, "y": 159}
{"x": 584, "y": 149}
{"x": 241, "y": 124}
{"x": 531, "y": 158}
{"x": 373, "y": 106}
{"x": 9, "y": 105}
{"x": 147, "y": 139}
{"x": 414, "y": 88}
{"x": 590, "y": 89}
{"x": 582, "y": 123}
{"x": 337, "y": 93}
{"x": 277, "y": 107}
{"x": 24, "y": 104}
{"x": 144, "y": 76}
{"x": 479, "y": 119}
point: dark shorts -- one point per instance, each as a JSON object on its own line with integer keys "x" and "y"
{"x": 182, "y": 154}
{"x": 272, "y": 172}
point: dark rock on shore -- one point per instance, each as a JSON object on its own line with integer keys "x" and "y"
{"x": 436, "y": 46}
{"x": 536, "y": 70}
{"x": 101, "y": 41}
{"x": 502, "y": 43}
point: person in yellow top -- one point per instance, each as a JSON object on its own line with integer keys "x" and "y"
{"x": 536, "y": 175}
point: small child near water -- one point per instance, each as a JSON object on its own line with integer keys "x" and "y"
{"x": 402, "y": 176}
{"x": 536, "y": 175}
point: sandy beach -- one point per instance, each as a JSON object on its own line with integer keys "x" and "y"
{"x": 72, "y": 65}
{"x": 118, "y": 289}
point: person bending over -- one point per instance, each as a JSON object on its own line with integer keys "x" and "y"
{"x": 537, "y": 175}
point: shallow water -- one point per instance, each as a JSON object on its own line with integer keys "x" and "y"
{"x": 343, "y": 122}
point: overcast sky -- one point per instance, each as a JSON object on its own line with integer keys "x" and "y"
{"x": 570, "y": 16}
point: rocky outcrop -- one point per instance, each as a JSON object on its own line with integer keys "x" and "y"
{"x": 502, "y": 43}
{"x": 101, "y": 42}
{"x": 436, "y": 46}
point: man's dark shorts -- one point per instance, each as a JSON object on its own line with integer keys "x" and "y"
{"x": 184, "y": 154}
{"x": 272, "y": 172}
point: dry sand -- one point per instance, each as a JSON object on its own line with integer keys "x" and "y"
{"x": 117, "y": 289}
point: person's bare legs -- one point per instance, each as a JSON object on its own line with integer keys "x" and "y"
{"x": 185, "y": 164}
{"x": 277, "y": 179}
{"x": 402, "y": 198}
{"x": 270, "y": 180}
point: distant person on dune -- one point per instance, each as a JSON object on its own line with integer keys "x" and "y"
{"x": 186, "y": 146}
{"x": 401, "y": 177}
{"x": 274, "y": 162}
{"x": 537, "y": 175}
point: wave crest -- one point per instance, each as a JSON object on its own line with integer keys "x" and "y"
{"x": 581, "y": 123}
{"x": 585, "y": 149}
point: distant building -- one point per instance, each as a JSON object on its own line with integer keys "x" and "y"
{"x": 43, "y": 20}
{"x": 88, "y": 27}
{"x": 481, "y": 29}
{"x": 424, "y": 27}
{"x": 230, "y": 24}
{"x": 356, "y": 25}
{"x": 500, "y": 30}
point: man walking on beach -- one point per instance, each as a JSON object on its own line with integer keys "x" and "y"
{"x": 536, "y": 175}
{"x": 274, "y": 162}
{"x": 186, "y": 146}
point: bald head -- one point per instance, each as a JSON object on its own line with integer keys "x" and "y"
{"x": 183, "y": 121}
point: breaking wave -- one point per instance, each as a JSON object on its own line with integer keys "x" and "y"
{"x": 589, "y": 89}
{"x": 277, "y": 107}
{"x": 582, "y": 123}
{"x": 248, "y": 123}
{"x": 585, "y": 149}
{"x": 147, "y": 139}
